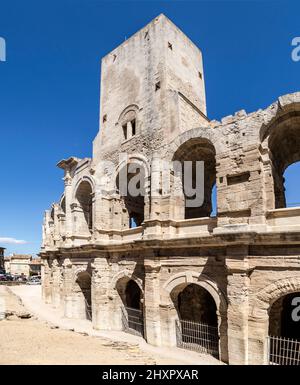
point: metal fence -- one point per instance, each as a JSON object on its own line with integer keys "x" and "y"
{"x": 88, "y": 310}
{"x": 283, "y": 351}
{"x": 132, "y": 320}
{"x": 200, "y": 337}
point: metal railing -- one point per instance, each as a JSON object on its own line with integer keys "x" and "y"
{"x": 283, "y": 351}
{"x": 200, "y": 337}
{"x": 132, "y": 320}
{"x": 88, "y": 310}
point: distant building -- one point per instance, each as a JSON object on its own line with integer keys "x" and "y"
{"x": 20, "y": 264}
{"x": 2, "y": 257}
{"x": 35, "y": 266}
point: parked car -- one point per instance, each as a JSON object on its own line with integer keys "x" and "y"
{"x": 20, "y": 278}
{"x": 34, "y": 281}
{"x": 3, "y": 277}
{"x": 9, "y": 277}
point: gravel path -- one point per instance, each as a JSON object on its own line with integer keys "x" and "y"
{"x": 35, "y": 333}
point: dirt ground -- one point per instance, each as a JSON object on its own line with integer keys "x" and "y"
{"x": 25, "y": 340}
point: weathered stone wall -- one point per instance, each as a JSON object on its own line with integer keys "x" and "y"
{"x": 245, "y": 258}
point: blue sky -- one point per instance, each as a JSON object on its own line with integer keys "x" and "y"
{"x": 49, "y": 85}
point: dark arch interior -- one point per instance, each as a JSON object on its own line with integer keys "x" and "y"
{"x": 84, "y": 282}
{"x": 133, "y": 295}
{"x": 197, "y": 305}
{"x": 284, "y": 145}
{"x": 63, "y": 204}
{"x": 199, "y": 150}
{"x": 132, "y": 175}
{"x": 84, "y": 198}
{"x": 282, "y": 321}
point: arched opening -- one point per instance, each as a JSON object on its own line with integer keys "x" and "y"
{"x": 284, "y": 146}
{"x": 84, "y": 215}
{"x": 284, "y": 330}
{"x": 83, "y": 294}
{"x": 283, "y": 317}
{"x": 128, "y": 121}
{"x": 197, "y": 327}
{"x": 133, "y": 295}
{"x": 131, "y": 186}
{"x": 201, "y": 180}
{"x": 63, "y": 204}
{"x": 291, "y": 178}
{"x": 132, "y": 307}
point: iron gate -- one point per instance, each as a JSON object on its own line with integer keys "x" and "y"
{"x": 283, "y": 351}
{"x": 132, "y": 320}
{"x": 200, "y": 337}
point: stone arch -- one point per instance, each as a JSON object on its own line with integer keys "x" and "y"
{"x": 199, "y": 154}
{"x": 85, "y": 178}
{"x": 126, "y": 274}
{"x": 188, "y": 277}
{"x": 83, "y": 206}
{"x": 135, "y": 158}
{"x": 268, "y": 295}
{"x": 134, "y": 206}
{"x": 279, "y": 137}
{"x": 81, "y": 269}
{"x": 82, "y": 293}
{"x": 128, "y": 120}
{"x": 62, "y": 203}
{"x": 118, "y": 294}
{"x": 195, "y": 133}
{"x": 176, "y": 284}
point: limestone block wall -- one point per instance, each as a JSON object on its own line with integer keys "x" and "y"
{"x": 246, "y": 256}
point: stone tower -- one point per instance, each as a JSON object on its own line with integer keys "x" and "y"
{"x": 234, "y": 270}
{"x": 152, "y": 89}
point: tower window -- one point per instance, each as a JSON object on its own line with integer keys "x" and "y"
{"x": 170, "y": 46}
{"x": 104, "y": 119}
{"x": 129, "y": 129}
{"x": 157, "y": 86}
{"x": 125, "y": 131}
{"x": 200, "y": 75}
{"x": 133, "y": 127}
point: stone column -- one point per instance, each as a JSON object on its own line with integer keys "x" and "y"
{"x": 258, "y": 344}
{"x": 68, "y": 288}
{"x": 238, "y": 304}
{"x": 101, "y": 309}
{"x": 55, "y": 283}
{"x": 46, "y": 281}
{"x": 68, "y": 217}
{"x": 152, "y": 301}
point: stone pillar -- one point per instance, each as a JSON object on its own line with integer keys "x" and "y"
{"x": 168, "y": 316}
{"x": 155, "y": 188}
{"x": 129, "y": 130}
{"x": 68, "y": 288}
{"x": 55, "y": 283}
{"x": 68, "y": 200}
{"x": 258, "y": 343}
{"x": 101, "y": 309}
{"x": 238, "y": 304}
{"x": 56, "y": 233}
{"x": 177, "y": 201}
{"x": 46, "y": 281}
{"x": 152, "y": 302}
